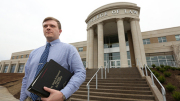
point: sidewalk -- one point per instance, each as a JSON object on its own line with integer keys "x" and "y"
{"x": 5, "y": 95}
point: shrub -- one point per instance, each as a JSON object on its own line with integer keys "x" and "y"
{"x": 157, "y": 74}
{"x": 153, "y": 71}
{"x": 158, "y": 68}
{"x": 176, "y": 95}
{"x": 178, "y": 68}
{"x": 173, "y": 68}
{"x": 162, "y": 66}
{"x": 170, "y": 87}
{"x": 162, "y": 79}
{"x": 168, "y": 67}
{"x": 153, "y": 65}
{"x": 162, "y": 70}
{"x": 167, "y": 74}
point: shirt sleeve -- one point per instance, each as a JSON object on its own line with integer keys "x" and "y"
{"x": 76, "y": 66}
{"x": 23, "y": 94}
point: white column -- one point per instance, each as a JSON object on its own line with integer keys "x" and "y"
{"x": 91, "y": 48}
{"x": 24, "y": 67}
{"x": 143, "y": 56}
{"x": 100, "y": 45}
{"x": 135, "y": 39}
{"x": 17, "y": 66}
{"x": 9, "y": 67}
{"x": 122, "y": 43}
{"x": 2, "y": 67}
{"x": 87, "y": 49}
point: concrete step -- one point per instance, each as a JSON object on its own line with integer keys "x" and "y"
{"x": 117, "y": 91}
{"x": 118, "y": 84}
{"x": 117, "y": 95}
{"x": 104, "y": 98}
{"x": 117, "y": 87}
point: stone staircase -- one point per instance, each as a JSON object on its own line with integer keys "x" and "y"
{"x": 122, "y": 84}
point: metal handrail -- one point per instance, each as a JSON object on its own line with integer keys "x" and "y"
{"x": 140, "y": 66}
{"x": 88, "y": 87}
{"x": 162, "y": 88}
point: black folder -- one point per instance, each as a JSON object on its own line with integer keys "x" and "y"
{"x": 53, "y": 76}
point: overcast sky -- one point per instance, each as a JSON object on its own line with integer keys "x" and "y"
{"x": 21, "y": 20}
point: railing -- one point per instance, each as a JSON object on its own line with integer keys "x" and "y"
{"x": 140, "y": 66}
{"x": 88, "y": 86}
{"x": 152, "y": 75}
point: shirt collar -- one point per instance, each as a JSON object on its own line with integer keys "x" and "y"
{"x": 54, "y": 42}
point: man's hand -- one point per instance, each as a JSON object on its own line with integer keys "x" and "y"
{"x": 55, "y": 95}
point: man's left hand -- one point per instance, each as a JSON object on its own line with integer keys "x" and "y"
{"x": 55, "y": 95}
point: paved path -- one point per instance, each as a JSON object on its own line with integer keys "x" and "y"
{"x": 5, "y": 95}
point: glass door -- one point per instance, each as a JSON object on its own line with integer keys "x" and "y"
{"x": 115, "y": 64}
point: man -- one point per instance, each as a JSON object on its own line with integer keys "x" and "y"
{"x": 64, "y": 54}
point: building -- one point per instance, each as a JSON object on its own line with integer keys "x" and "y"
{"x": 114, "y": 40}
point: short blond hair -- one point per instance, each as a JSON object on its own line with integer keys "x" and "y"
{"x": 51, "y": 18}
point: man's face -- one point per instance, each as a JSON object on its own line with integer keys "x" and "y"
{"x": 51, "y": 30}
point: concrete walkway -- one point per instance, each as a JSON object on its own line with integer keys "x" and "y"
{"x": 5, "y": 95}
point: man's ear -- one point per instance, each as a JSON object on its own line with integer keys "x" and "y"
{"x": 60, "y": 31}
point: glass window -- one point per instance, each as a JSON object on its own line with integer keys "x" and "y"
{"x": 80, "y": 49}
{"x": 27, "y": 56}
{"x": 13, "y": 57}
{"x": 12, "y": 68}
{"x": 127, "y": 43}
{"x": 21, "y": 67}
{"x": 5, "y": 69}
{"x": 160, "y": 60}
{"x": 21, "y": 56}
{"x": 161, "y": 57}
{"x": 112, "y": 63}
{"x": 146, "y": 41}
{"x": 115, "y": 56}
{"x": 105, "y": 45}
{"x": 128, "y": 55}
{"x": 118, "y": 63}
{"x": 115, "y": 45}
{"x": 17, "y": 57}
{"x": 162, "y": 39}
{"x": 147, "y": 58}
{"x": 84, "y": 63}
{"x": 169, "y": 57}
{"x": 177, "y": 37}
{"x": 154, "y": 58}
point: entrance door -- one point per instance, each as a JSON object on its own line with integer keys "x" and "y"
{"x": 115, "y": 64}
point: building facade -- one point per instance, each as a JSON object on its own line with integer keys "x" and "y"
{"x": 114, "y": 40}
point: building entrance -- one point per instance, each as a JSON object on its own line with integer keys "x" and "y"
{"x": 115, "y": 63}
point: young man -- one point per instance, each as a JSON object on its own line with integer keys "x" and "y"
{"x": 64, "y": 54}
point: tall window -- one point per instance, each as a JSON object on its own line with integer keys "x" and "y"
{"x": 160, "y": 60}
{"x": 17, "y": 57}
{"x": 27, "y": 56}
{"x": 5, "y": 68}
{"x": 80, "y": 49}
{"x": 21, "y": 56}
{"x": 146, "y": 41}
{"x": 21, "y": 67}
{"x": 177, "y": 37}
{"x": 13, "y": 57}
{"x": 12, "y": 68}
{"x": 162, "y": 39}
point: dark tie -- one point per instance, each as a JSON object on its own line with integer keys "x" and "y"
{"x": 42, "y": 61}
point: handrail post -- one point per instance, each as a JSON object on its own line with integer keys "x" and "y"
{"x": 88, "y": 92}
{"x": 163, "y": 93}
{"x": 101, "y": 72}
{"x": 105, "y": 72}
{"x": 146, "y": 71}
{"x": 152, "y": 79}
{"x": 96, "y": 80}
